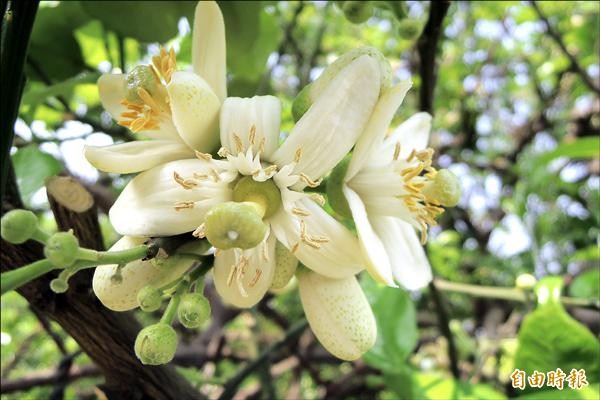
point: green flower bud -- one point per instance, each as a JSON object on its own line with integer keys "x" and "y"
{"x": 156, "y": 344}
{"x": 62, "y": 249}
{"x": 444, "y": 189}
{"x": 285, "y": 266}
{"x": 335, "y": 183}
{"x": 230, "y": 225}
{"x": 149, "y": 299}
{"x": 58, "y": 285}
{"x": 398, "y": 8}
{"x": 18, "y": 226}
{"x": 193, "y": 310}
{"x": 409, "y": 28}
{"x": 141, "y": 77}
{"x": 266, "y": 193}
{"x": 357, "y": 11}
{"x": 525, "y": 281}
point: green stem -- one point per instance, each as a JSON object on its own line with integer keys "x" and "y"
{"x": 171, "y": 310}
{"x": 115, "y": 257}
{"x": 511, "y": 294}
{"x": 40, "y": 236}
{"x": 14, "y": 279}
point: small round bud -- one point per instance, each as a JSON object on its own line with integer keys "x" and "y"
{"x": 58, "y": 285}
{"x": 285, "y": 266}
{"x": 193, "y": 310}
{"x": 409, "y": 28}
{"x": 525, "y": 281}
{"x": 62, "y": 249}
{"x": 149, "y": 299}
{"x": 234, "y": 225}
{"x": 18, "y": 226}
{"x": 156, "y": 344}
{"x": 444, "y": 189}
{"x": 357, "y": 11}
{"x": 141, "y": 77}
{"x": 266, "y": 193}
{"x": 335, "y": 194}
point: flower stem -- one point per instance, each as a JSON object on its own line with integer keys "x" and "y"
{"x": 40, "y": 236}
{"x": 14, "y": 279}
{"x": 116, "y": 257}
{"x": 171, "y": 310}
{"x": 511, "y": 294}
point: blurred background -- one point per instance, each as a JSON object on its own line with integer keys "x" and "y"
{"x": 516, "y": 117}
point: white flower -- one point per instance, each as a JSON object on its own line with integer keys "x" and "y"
{"x": 175, "y": 197}
{"x": 177, "y": 110}
{"x": 391, "y": 188}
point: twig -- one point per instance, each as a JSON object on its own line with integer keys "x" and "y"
{"x": 555, "y": 35}
{"x": 48, "y": 328}
{"x": 47, "y": 377}
{"x": 444, "y": 326}
{"x": 18, "y": 355}
{"x": 232, "y": 385}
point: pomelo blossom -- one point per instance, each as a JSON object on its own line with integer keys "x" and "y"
{"x": 254, "y": 196}
{"x": 389, "y": 188}
{"x": 177, "y": 110}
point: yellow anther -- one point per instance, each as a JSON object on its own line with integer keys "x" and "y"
{"x": 270, "y": 170}
{"x": 223, "y": 152}
{"x": 423, "y": 232}
{"x": 295, "y": 248}
{"x": 252, "y": 135}
{"x": 410, "y": 173}
{"x": 397, "y": 149}
{"x": 412, "y": 155}
{"x": 239, "y": 147}
{"x": 203, "y": 156}
{"x": 298, "y": 154}
{"x": 261, "y": 145}
{"x": 254, "y": 280}
{"x": 180, "y": 205}
{"x": 265, "y": 251}
{"x": 309, "y": 182}
{"x": 317, "y": 198}
{"x": 184, "y": 183}
{"x": 199, "y": 231}
{"x": 300, "y": 212}
{"x": 165, "y": 64}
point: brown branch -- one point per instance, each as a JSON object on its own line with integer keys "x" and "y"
{"x": 47, "y": 377}
{"x": 19, "y": 354}
{"x": 556, "y": 36}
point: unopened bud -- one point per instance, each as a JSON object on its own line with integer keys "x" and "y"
{"x": 234, "y": 225}
{"x": 193, "y": 310}
{"x": 18, "y": 226}
{"x": 149, "y": 299}
{"x": 156, "y": 344}
{"x": 58, "y": 285}
{"x": 357, "y": 11}
{"x": 409, "y": 28}
{"x": 62, "y": 249}
{"x": 525, "y": 281}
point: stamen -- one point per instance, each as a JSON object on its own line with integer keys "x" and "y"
{"x": 252, "y": 135}
{"x": 239, "y": 147}
{"x": 256, "y": 278}
{"x": 270, "y": 169}
{"x": 232, "y": 273}
{"x": 261, "y": 145}
{"x": 423, "y": 232}
{"x": 309, "y": 182}
{"x": 300, "y": 212}
{"x": 295, "y": 248}
{"x": 298, "y": 155}
{"x": 184, "y": 183}
{"x": 180, "y": 205}
{"x": 165, "y": 64}
{"x": 199, "y": 231}
{"x": 223, "y": 152}
{"x": 318, "y": 198}
{"x": 265, "y": 251}
{"x": 412, "y": 154}
{"x": 203, "y": 156}
{"x": 397, "y": 151}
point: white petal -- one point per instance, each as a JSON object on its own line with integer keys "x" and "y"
{"x": 329, "y": 129}
{"x": 411, "y": 134}
{"x": 409, "y": 263}
{"x": 146, "y": 206}
{"x": 137, "y": 274}
{"x": 239, "y": 115}
{"x": 376, "y": 129}
{"x": 195, "y": 110}
{"x": 338, "y": 258}
{"x": 260, "y": 270}
{"x": 378, "y": 263}
{"x": 111, "y": 88}
{"x": 208, "y": 46}
{"x": 338, "y": 313}
{"x": 136, "y": 156}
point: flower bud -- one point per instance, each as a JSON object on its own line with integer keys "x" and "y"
{"x": 525, "y": 281}
{"x": 409, "y": 28}
{"x": 234, "y": 225}
{"x": 193, "y": 310}
{"x": 62, "y": 249}
{"x": 18, "y": 226}
{"x": 58, "y": 285}
{"x": 444, "y": 189}
{"x": 141, "y": 77}
{"x": 285, "y": 266}
{"x": 149, "y": 299}
{"x": 357, "y": 11}
{"x": 156, "y": 344}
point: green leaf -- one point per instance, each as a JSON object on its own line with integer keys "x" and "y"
{"x": 549, "y": 339}
{"x": 35, "y": 97}
{"x": 587, "y": 147}
{"x": 585, "y": 393}
{"x": 433, "y": 386}
{"x": 32, "y": 167}
{"x": 148, "y": 22}
{"x": 53, "y": 46}
{"x": 396, "y": 326}
{"x": 586, "y": 284}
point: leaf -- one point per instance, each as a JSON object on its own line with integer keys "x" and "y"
{"x": 148, "y": 22}
{"x": 585, "y": 393}
{"x": 396, "y": 326}
{"x": 549, "y": 339}
{"x": 433, "y": 386}
{"x": 32, "y": 167}
{"x": 34, "y": 97}
{"x": 586, "y": 284}
{"x": 53, "y": 46}
{"x": 587, "y": 147}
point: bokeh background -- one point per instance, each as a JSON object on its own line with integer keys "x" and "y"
{"x": 516, "y": 117}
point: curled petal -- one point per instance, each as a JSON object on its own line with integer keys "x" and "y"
{"x": 195, "y": 109}
{"x": 136, "y": 274}
{"x": 380, "y": 120}
{"x": 252, "y": 123}
{"x": 378, "y": 263}
{"x": 329, "y": 129}
{"x": 408, "y": 260}
{"x": 338, "y": 313}
{"x": 136, "y": 156}
{"x": 154, "y": 204}
{"x": 243, "y": 277}
{"x": 327, "y": 247}
{"x": 208, "y": 47}
{"x": 111, "y": 88}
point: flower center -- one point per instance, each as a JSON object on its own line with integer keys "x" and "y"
{"x": 146, "y": 93}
